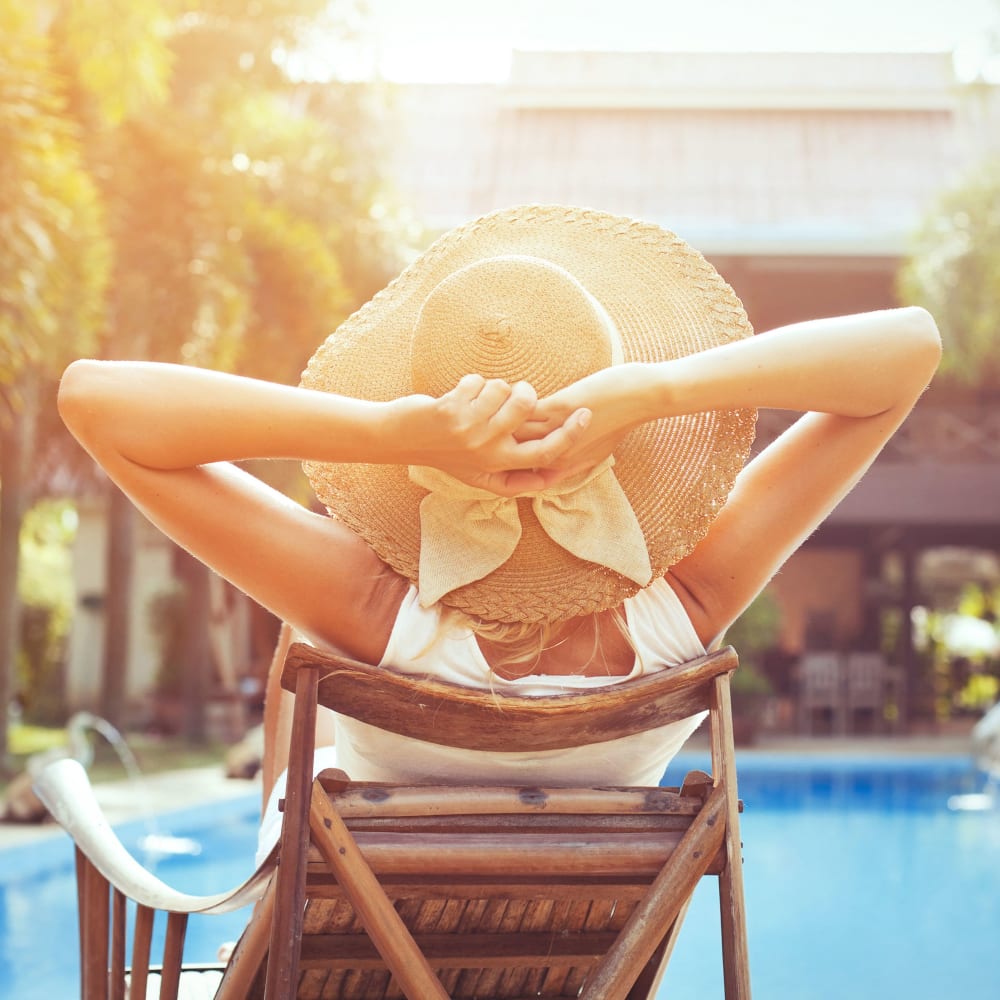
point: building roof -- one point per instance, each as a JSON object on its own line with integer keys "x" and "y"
{"x": 759, "y": 153}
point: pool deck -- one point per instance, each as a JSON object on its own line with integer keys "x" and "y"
{"x": 159, "y": 793}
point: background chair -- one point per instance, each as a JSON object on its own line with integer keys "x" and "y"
{"x": 389, "y": 891}
{"x": 865, "y": 691}
{"x": 821, "y": 692}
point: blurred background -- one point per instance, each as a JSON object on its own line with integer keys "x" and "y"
{"x": 221, "y": 182}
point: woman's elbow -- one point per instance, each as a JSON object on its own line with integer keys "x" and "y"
{"x": 78, "y": 393}
{"x": 923, "y": 341}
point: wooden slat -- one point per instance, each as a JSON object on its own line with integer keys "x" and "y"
{"x": 116, "y": 974}
{"x": 357, "y": 800}
{"x": 438, "y": 855}
{"x": 81, "y": 863}
{"x": 478, "y": 981}
{"x": 94, "y": 923}
{"x": 515, "y": 826}
{"x": 596, "y": 889}
{"x": 649, "y": 979}
{"x": 637, "y": 942}
{"x": 142, "y": 941}
{"x": 427, "y": 709}
{"x": 581, "y": 916}
{"x": 376, "y": 912}
{"x": 537, "y": 919}
{"x": 173, "y": 954}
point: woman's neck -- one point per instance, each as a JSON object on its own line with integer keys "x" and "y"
{"x": 590, "y": 646}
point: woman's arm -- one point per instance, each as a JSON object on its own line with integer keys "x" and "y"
{"x": 166, "y": 435}
{"x": 855, "y": 377}
{"x": 172, "y": 417}
{"x": 854, "y": 366}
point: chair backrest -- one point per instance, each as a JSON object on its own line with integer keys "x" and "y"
{"x": 821, "y": 678}
{"x": 865, "y": 679}
{"x": 415, "y": 705}
{"x": 500, "y": 892}
{"x": 507, "y": 893}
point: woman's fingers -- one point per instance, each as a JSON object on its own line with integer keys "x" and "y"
{"x": 491, "y": 397}
{"x": 545, "y": 453}
{"x": 514, "y": 410}
{"x": 468, "y": 388}
{"x": 501, "y": 445}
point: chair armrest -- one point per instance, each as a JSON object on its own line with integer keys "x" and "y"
{"x": 66, "y": 791}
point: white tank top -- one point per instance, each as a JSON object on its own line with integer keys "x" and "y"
{"x": 421, "y": 643}
{"x": 662, "y": 634}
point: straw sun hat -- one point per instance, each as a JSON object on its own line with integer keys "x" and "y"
{"x": 526, "y": 293}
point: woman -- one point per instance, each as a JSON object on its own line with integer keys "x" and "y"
{"x": 533, "y": 446}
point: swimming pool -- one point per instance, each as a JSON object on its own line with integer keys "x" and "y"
{"x": 860, "y": 882}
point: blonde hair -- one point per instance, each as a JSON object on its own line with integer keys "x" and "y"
{"x": 522, "y": 643}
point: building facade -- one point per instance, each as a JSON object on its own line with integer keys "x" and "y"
{"x": 801, "y": 176}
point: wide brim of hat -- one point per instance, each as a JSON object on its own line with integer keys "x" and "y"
{"x": 667, "y": 301}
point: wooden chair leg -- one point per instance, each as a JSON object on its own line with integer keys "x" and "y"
{"x": 643, "y": 930}
{"x": 378, "y": 916}
{"x": 649, "y": 979}
{"x": 732, "y": 905}
{"x": 250, "y": 950}
{"x": 286, "y": 929}
{"x": 735, "y": 951}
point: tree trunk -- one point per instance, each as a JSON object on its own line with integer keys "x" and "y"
{"x": 120, "y": 550}
{"x": 196, "y": 661}
{"x": 10, "y": 523}
{"x": 17, "y": 434}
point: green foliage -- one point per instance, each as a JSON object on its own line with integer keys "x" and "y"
{"x": 54, "y": 255}
{"x": 231, "y": 206}
{"x": 179, "y": 279}
{"x": 40, "y": 687}
{"x": 120, "y": 53}
{"x": 953, "y": 270}
{"x": 979, "y": 693}
{"x": 169, "y": 191}
{"x": 756, "y": 630}
{"x": 46, "y": 589}
{"x": 752, "y": 635}
{"x": 46, "y": 572}
{"x": 166, "y": 616}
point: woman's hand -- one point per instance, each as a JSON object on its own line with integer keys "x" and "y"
{"x": 618, "y": 398}
{"x": 475, "y": 433}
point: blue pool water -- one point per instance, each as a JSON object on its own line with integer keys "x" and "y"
{"x": 860, "y": 882}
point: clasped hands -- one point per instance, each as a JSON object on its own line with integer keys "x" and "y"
{"x": 501, "y": 437}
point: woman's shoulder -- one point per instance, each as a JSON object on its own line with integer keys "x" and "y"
{"x": 362, "y": 620}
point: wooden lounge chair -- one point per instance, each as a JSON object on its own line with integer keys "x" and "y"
{"x": 425, "y": 892}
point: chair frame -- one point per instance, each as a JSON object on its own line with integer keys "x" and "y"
{"x": 315, "y": 811}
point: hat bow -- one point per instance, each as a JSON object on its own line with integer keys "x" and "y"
{"x": 467, "y": 532}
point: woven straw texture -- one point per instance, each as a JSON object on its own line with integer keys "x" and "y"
{"x": 667, "y": 302}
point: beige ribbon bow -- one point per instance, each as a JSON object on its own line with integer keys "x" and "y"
{"x": 467, "y": 532}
